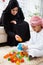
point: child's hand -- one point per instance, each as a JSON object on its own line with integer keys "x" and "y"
{"x": 14, "y": 22}
{"x": 18, "y": 38}
{"x": 24, "y": 47}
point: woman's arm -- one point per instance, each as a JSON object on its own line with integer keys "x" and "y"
{"x": 7, "y": 28}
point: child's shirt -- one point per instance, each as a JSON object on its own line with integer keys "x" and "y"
{"x": 36, "y": 40}
{"x": 35, "y": 45}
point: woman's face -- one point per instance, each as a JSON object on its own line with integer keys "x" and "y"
{"x": 37, "y": 28}
{"x": 14, "y": 11}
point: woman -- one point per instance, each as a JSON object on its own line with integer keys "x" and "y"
{"x": 15, "y": 26}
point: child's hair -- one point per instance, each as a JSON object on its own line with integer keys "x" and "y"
{"x": 36, "y": 20}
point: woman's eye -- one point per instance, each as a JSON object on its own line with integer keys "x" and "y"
{"x": 13, "y": 10}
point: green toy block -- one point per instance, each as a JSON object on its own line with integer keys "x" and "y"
{"x": 20, "y": 57}
{"x": 18, "y": 53}
{"x": 8, "y": 59}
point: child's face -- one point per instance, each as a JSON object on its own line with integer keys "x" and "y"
{"x": 36, "y": 28}
{"x": 14, "y": 11}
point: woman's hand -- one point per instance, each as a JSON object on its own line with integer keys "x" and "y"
{"x": 14, "y": 22}
{"x": 18, "y": 38}
{"x": 25, "y": 47}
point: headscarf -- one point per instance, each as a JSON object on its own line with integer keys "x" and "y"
{"x": 36, "y": 20}
{"x": 12, "y": 4}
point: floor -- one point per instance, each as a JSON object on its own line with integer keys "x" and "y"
{"x": 6, "y": 49}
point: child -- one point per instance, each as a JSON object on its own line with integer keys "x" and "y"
{"x": 34, "y": 47}
{"x": 15, "y": 26}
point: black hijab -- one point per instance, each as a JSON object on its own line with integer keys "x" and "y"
{"x": 12, "y": 4}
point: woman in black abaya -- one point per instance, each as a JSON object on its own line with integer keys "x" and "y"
{"x": 15, "y": 26}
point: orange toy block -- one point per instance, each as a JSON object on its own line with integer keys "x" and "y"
{"x": 22, "y": 60}
{"x": 8, "y": 55}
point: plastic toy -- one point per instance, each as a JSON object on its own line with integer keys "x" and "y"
{"x": 19, "y": 47}
{"x": 7, "y": 55}
{"x": 24, "y": 53}
{"x": 16, "y": 57}
{"x": 17, "y": 63}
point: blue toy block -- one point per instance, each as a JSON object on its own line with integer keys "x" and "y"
{"x": 19, "y": 46}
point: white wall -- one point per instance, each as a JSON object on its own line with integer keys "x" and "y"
{"x": 42, "y": 8}
{"x": 30, "y": 7}
{"x": 3, "y": 5}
